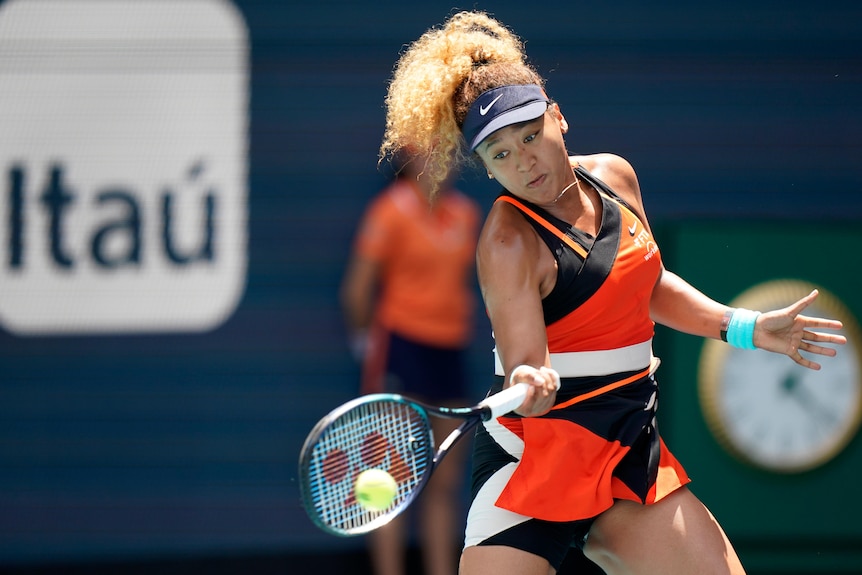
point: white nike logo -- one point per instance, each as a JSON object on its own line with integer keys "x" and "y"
{"x": 633, "y": 228}
{"x": 484, "y": 109}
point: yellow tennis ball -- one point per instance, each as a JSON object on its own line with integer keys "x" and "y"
{"x": 375, "y": 489}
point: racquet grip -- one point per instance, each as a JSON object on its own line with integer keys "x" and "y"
{"x": 507, "y": 400}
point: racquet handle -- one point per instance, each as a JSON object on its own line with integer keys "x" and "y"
{"x": 502, "y": 403}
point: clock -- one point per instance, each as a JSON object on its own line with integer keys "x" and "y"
{"x": 770, "y": 412}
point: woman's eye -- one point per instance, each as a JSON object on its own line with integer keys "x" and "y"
{"x": 530, "y": 138}
{"x": 501, "y": 155}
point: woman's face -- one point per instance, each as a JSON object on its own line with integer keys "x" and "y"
{"x": 530, "y": 159}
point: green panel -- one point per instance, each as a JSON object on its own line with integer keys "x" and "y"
{"x": 787, "y": 523}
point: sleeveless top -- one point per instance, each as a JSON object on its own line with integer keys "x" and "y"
{"x": 600, "y": 442}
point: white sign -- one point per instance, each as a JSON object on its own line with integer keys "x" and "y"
{"x": 123, "y": 165}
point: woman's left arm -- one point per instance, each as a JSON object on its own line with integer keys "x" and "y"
{"x": 677, "y": 304}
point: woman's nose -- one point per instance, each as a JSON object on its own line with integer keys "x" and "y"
{"x": 525, "y": 158}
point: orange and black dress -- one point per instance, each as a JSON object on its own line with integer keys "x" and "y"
{"x": 539, "y": 482}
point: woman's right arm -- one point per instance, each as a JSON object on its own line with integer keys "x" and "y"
{"x": 511, "y": 274}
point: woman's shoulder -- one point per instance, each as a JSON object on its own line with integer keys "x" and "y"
{"x": 604, "y": 163}
{"x": 510, "y": 252}
{"x": 506, "y": 230}
{"x": 615, "y": 171}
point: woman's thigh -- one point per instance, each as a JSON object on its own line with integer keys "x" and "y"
{"x": 500, "y": 560}
{"x": 677, "y": 535}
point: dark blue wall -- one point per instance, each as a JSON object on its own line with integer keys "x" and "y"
{"x": 150, "y": 445}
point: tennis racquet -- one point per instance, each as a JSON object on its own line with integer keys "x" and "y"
{"x": 381, "y": 431}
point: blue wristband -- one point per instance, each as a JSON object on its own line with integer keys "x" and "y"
{"x": 740, "y": 329}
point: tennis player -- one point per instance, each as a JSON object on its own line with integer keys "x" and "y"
{"x": 572, "y": 280}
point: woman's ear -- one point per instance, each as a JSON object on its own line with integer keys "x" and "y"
{"x": 564, "y": 125}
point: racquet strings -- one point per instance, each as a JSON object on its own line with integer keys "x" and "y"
{"x": 389, "y": 435}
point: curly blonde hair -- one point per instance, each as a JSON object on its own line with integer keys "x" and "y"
{"x": 437, "y": 79}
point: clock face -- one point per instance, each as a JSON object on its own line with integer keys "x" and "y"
{"x": 772, "y": 413}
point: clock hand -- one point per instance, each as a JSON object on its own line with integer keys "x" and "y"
{"x": 795, "y": 388}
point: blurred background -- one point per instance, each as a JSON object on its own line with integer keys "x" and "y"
{"x": 180, "y": 186}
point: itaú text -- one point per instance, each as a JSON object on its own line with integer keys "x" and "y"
{"x": 116, "y": 238}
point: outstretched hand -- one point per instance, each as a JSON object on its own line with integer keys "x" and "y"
{"x": 787, "y": 331}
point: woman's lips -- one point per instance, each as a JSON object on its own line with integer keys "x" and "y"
{"x": 537, "y": 182}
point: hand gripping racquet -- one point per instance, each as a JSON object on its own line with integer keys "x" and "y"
{"x": 381, "y": 431}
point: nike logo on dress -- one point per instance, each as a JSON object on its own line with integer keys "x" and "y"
{"x": 633, "y": 228}
{"x": 484, "y": 109}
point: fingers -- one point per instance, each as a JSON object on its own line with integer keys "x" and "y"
{"x": 788, "y": 332}
{"x": 544, "y": 378}
{"x": 820, "y": 322}
{"x": 544, "y": 383}
{"x": 796, "y": 308}
{"x": 833, "y": 338}
{"x": 798, "y": 358}
{"x": 818, "y": 349}
{"x": 810, "y": 340}
{"x": 807, "y": 346}
{"x": 526, "y": 374}
{"x": 552, "y": 377}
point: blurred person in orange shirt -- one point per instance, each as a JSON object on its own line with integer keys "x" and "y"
{"x": 409, "y": 304}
